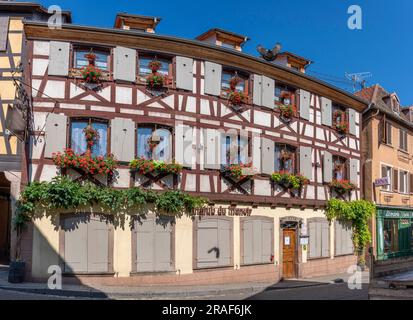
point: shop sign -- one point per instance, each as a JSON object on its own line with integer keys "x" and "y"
{"x": 221, "y": 211}
{"x": 394, "y": 214}
{"x": 382, "y": 182}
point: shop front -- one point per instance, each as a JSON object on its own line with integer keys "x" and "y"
{"x": 394, "y": 232}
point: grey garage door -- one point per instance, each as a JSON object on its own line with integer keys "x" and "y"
{"x": 214, "y": 242}
{"x": 257, "y": 240}
{"x": 154, "y": 241}
{"x": 86, "y": 244}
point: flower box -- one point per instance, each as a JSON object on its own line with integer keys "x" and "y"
{"x": 86, "y": 162}
{"x": 237, "y": 171}
{"x": 340, "y": 122}
{"x": 145, "y": 166}
{"x": 342, "y": 186}
{"x": 287, "y": 112}
{"x": 288, "y": 180}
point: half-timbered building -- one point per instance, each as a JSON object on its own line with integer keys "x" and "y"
{"x": 216, "y": 108}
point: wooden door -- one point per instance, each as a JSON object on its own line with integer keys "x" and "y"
{"x": 289, "y": 253}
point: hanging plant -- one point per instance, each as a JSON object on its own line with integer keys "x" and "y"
{"x": 288, "y": 180}
{"x": 91, "y": 57}
{"x": 86, "y": 162}
{"x": 91, "y": 74}
{"x": 155, "y": 65}
{"x": 237, "y": 98}
{"x": 342, "y": 186}
{"x": 145, "y": 166}
{"x": 91, "y": 136}
{"x": 287, "y": 111}
{"x": 155, "y": 81}
{"x": 340, "y": 122}
{"x": 358, "y": 213}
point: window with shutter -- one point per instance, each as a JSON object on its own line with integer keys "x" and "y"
{"x": 339, "y": 168}
{"x": 78, "y": 142}
{"x": 257, "y": 240}
{"x": 386, "y": 172}
{"x": 102, "y": 59}
{"x": 284, "y": 158}
{"x": 319, "y": 239}
{"x": 267, "y": 156}
{"x": 241, "y": 82}
{"x": 306, "y": 164}
{"x": 388, "y": 133}
{"x": 165, "y": 67}
{"x": 154, "y": 142}
{"x": 403, "y": 181}
{"x": 403, "y": 139}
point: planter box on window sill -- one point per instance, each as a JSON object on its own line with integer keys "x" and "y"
{"x": 77, "y": 73}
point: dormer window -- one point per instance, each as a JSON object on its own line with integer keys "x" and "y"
{"x": 223, "y": 38}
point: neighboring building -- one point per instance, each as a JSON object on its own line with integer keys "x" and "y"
{"x": 257, "y": 229}
{"x": 12, "y": 49}
{"x": 388, "y": 172}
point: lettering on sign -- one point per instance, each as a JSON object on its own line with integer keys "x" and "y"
{"x": 221, "y": 211}
{"x": 382, "y": 182}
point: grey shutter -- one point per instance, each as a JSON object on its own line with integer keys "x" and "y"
{"x": 59, "y": 58}
{"x": 224, "y": 242}
{"x": 162, "y": 248}
{"x": 207, "y": 243}
{"x": 248, "y": 248}
{"x": 352, "y": 121}
{"x": 257, "y": 240}
{"x": 55, "y": 136}
{"x": 267, "y": 92}
{"x": 75, "y": 248}
{"x": 212, "y": 149}
{"x": 267, "y": 156}
{"x": 327, "y": 167}
{"x": 144, "y": 245}
{"x": 304, "y": 104}
{"x": 183, "y": 145}
{"x": 338, "y": 238}
{"x": 98, "y": 245}
{"x": 184, "y": 73}
{"x": 326, "y": 112}
{"x": 122, "y": 140}
{"x": 325, "y": 239}
{"x": 256, "y": 153}
{"x": 213, "y": 74}
{"x": 233, "y": 150}
{"x": 267, "y": 239}
{"x": 257, "y": 92}
{"x": 353, "y": 171}
{"x": 4, "y": 28}
{"x": 312, "y": 226}
{"x": 306, "y": 164}
{"x": 349, "y": 239}
{"x": 124, "y": 64}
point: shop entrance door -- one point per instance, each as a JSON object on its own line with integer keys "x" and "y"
{"x": 289, "y": 253}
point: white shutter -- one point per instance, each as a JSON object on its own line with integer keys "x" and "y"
{"x": 4, "y": 28}
{"x": 326, "y": 112}
{"x": 183, "y": 145}
{"x": 256, "y": 153}
{"x": 327, "y": 167}
{"x": 122, "y": 139}
{"x": 184, "y": 73}
{"x": 124, "y": 65}
{"x": 59, "y": 58}
{"x": 56, "y": 132}
{"x": 305, "y": 104}
{"x": 257, "y": 90}
{"x": 306, "y": 164}
{"x": 352, "y": 121}
{"x": 267, "y": 156}
{"x": 212, "y": 149}
{"x": 268, "y": 92}
{"x": 213, "y": 74}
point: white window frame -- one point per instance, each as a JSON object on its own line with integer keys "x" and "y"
{"x": 403, "y": 173}
{"x": 389, "y": 170}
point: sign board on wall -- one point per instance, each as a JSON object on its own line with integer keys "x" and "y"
{"x": 382, "y": 182}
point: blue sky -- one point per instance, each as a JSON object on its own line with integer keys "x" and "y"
{"x": 313, "y": 29}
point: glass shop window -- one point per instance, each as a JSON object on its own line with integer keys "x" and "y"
{"x": 390, "y": 235}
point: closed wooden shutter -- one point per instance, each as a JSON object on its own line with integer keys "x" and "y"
{"x": 144, "y": 245}
{"x": 122, "y": 139}
{"x": 304, "y": 104}
{"x": 306, "y": 164}
{"x": 55, "y": 136}
{"x": 212, "y": 149}
{"x": 59, "y": 58}
{"x": 268, "y": 92}
{"x": 326, "y": 112}
{"x": 124, "y": 64}
{"x": 327, "y": 167}
{"x": 257, "y": 92}
{"x": 267, "y": 240}
{"x": 395, "y": 180}
{"x": 224, "y": 241}
{"x": 162, "y": 248}
{"x": 183, "y": 145}
{"x": 75, "y": 244}
{"x": 213, "y": 74}
{"x": 388, "y": 133}
{"x": 382, "y": 130}
{"x": 325, "y": 239}
{"x": 267, "y": 156}
{"x": 352, "y": 121}
{"x": 207, "y": 243}
{"x": 256, "y": 153}
{"x": 97, "y": 245}
{"x": 343, "y": 238}
{"x": 184, "y": 73}
{"x": 312, "y": 233}
{"x": 4, "y": 28}
{"x": 354, "y": 164}
{"x": 248, "y": 244}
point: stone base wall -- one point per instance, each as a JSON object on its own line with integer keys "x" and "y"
{"x": 322, "y": 267}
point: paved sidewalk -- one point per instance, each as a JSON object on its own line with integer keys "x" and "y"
{"x": 165, "y": 292}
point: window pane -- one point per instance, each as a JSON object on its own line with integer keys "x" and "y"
{"x": 277, "y": 158}
{"x": 101, "y": 59}
{"x": 243, "y": 150}
{"x": 163, "y": 150}
{"x": 225, "y": 150}
{"x": 77, "y": 137}
{"x": 144, "y": 69}
{"x": 100, "y": 147}
{"x": 144, "y": 134}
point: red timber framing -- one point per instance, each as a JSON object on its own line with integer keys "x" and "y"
{"x": 196, "y": 110}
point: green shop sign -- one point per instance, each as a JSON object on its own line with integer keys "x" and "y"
{"x": 395, "y": 214}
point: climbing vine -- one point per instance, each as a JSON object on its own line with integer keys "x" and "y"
{"x": 64, "y": 193}
{"x": 358, "y": 213}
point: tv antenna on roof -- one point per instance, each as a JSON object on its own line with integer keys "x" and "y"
{"x": 358, "y": 79}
